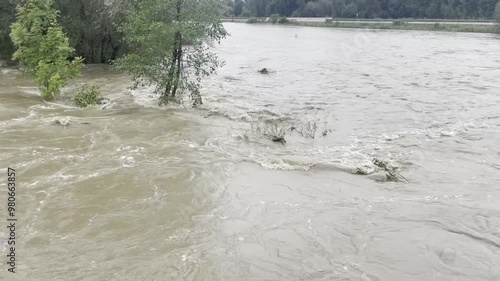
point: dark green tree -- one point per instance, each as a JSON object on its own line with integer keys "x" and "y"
{"x": 7, "y": 17}
{"x": 42, "y": 46}
{"x": 169, "y": 44}
{"x": 237, "y": 7}
{"x": 497, "y": 12}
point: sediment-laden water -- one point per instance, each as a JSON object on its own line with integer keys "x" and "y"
{"x": 132, "y": 191}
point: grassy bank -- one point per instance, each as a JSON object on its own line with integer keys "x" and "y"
{"x": 403, "y": 26}
{"x": 397, "y": 25}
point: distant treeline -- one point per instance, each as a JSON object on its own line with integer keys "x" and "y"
{"x": 435, "y": 9}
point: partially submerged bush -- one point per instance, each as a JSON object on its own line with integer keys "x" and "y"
{"x": 308, "y": 129}
{"x": 283, "y": 20}
{"x": 252, "y": 20}
{"x": 88, "y": 95}
{"x": 274, "y": 18}
{"x": 399, "y": 22}
{"x": 277, "y": 129}
{"x": 437, "y": 25}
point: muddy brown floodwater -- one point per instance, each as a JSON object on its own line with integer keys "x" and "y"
{"x": 133, "y": 191}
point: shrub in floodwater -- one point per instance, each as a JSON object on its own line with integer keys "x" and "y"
{"x": 283, "y": 20}
{"x": 88, "y": 95}
{"x": 42, "y": 46}
{"x": 252, "y": 20}
{"x": 308, "y": 129}
{"x": 437, "y": 25}
{"x": 399, "y": 22}
{"x": 274, "y": 18}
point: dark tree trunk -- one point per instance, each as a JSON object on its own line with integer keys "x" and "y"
{"x": 174, "y": 72}
{"x": 178, "y": 59}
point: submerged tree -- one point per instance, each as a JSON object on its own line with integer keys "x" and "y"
{"x": 169, "y": 44}
{"x": 42, "y": 46}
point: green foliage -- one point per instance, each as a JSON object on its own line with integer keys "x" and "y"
{"x": 283, "y": 20}
{"x": 237, "y": 7}
{"x": 252, "y": 20}
{"x": 452, "y": 9}
{"x": 91, "y": 25}
{"x": 42, "y": 47}
{"x": 497, "y": 17}
{"x": 496, "y": 14}
{"x": 438, "y": 26}
{"x": 245, "y": 12}
{"x": 274, "y": 18}
{"x": 91, "y": 28}
{"x": 7, "y": 17}
{"x": 350, "y": 11}
{"x": 399, "y": 22}
{"x": 169, "y": 45}
{"x": 88, "y": 95}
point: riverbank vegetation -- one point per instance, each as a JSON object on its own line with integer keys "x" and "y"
{"x": 43, "y": 48}
{"x": 90, "y": 25}
{"x": 88, "y": 95}
{"x": 167, "y": 45}
{"x": 497, "y": 16}
{"x": 386, "y": 9}
{"x": 402, "y": 25}
{"x": 167, "y": 42}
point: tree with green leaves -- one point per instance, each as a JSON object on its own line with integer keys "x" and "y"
{"x": 496, "y": 14}
{"x": 7, "y": 17}
{"x": 42, "y": 46}
{"x": 237, "y": 7}
{"x": 91, "y": 28}
{"x": 169, "y": 45}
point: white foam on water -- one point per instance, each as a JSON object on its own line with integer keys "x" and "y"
{"x": 31, "y": 91}
{"x": 145, "y": 97}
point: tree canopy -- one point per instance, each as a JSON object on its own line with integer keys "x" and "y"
{"x": 42, "y": 47}
{"x": 90, "y": 26}
{"x": 169, "y": 44}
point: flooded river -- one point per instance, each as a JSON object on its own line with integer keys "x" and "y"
{"x": 133, "y": 191}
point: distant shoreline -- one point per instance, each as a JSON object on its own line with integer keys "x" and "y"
{"x": 475, "y": 26}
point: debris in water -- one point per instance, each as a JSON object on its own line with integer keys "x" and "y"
{"x": 279, "y": 139}
{"x": 63, "y": 122}
{"x": 392, "y": 173}
{"x": 264, "y": 71}
{"x": 360, "y": 171}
